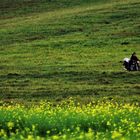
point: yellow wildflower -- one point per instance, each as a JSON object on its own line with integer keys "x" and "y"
{"x": 10, "y": 125}
{"x": 116, "y": 134}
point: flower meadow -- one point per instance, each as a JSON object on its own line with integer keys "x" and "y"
{"x": 70, "y": 121}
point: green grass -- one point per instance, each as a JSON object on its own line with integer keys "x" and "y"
{"x": 58, "y": 49}
{"x": 9, "y": 9}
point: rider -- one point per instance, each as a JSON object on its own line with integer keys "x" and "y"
{"x": 134, "y": 60}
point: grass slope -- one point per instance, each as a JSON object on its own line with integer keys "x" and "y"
{"x": 57, "y": 49}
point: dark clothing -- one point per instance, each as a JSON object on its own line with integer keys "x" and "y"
{"x": 133, "y": 63}
{"x": 134, "y": 58}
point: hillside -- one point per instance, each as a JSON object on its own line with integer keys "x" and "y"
{"x": 61, "y": 48}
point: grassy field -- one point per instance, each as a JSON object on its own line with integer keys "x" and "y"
{"x": 59, "y": 49}
{"x": 61, "y": 75}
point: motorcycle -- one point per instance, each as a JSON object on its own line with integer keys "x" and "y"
{"x": 131, "y": 66}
